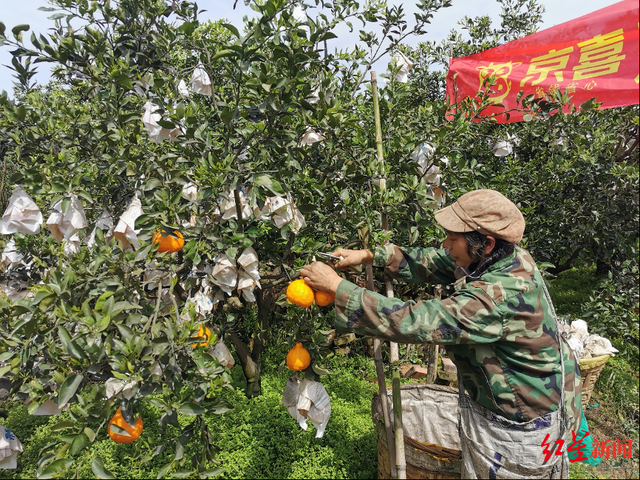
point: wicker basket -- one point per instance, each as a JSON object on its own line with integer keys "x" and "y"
{"x": 590, "y": 369}
{"x": 430, "y": 415}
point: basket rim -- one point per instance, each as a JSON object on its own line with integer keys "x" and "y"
{"x": 588, "y": 363}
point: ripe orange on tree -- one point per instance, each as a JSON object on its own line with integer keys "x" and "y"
{"x": 298, "y": 358}
{"x": 205, "y": 333}
{"x": 168, "y": 242}
{"x": 300, "y": 293}
{"x": 133, "y": 431}
{"x": 324, "y": 298}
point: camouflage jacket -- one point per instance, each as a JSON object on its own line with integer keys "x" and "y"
{"x": 498, "y": 328}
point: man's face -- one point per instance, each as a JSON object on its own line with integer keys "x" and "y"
{"x": 457, "y": 246}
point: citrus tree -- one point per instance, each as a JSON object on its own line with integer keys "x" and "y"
{"x": 225, "y": 142}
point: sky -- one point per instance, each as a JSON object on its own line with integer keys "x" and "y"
{"x": 557, "y": 12}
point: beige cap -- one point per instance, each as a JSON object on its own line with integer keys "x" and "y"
{"x": 485, "y": 211}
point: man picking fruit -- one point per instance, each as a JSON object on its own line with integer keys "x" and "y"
{"x": 519, "y": 384}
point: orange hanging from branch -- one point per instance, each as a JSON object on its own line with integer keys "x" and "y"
{"x": 133, "y": 432}
{"x": 205, "y": 333}
{"x": 168, "y": 242}
{"x": 300, "y": 293}
{"x": 324, "y": 298}
{"x": 298, "y": 358}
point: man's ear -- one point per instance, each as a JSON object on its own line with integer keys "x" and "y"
{"x": 489, "y": 245}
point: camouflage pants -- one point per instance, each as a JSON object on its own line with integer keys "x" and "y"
{"x": 495, "y": 447}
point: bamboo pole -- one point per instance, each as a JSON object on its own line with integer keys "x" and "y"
{"x": 432, "y": 352}
{"x": 400, "y": 460}
{"x": 382, "y": 389}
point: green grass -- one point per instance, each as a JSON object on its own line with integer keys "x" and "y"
{"x": 571, "y": 290}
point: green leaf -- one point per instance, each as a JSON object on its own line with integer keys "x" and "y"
{"x": 182, "y": 474}
{"x": 56, "y": 468}
{"x": 91, "y": 435}
{"x": 63, "y": 425}
{"x": 78, "y": 443}
{"x": 320, "y": 371}
{"x": 163, "y": 471}
{"x": 43, "y": 298}
{"x": 188, "y": 27}
{"x": 98, "y": 468}
{"x": 151, "y": 184}
{"x": 142, "y": 253}
{"x": 102, "y": 299}
{"x": 68, "y": 389}
{"x": 124, "y": 81}
{"x": 226, "y": 115}
{"x": 69, "y": 345}
{"x": 104, "y": 323}
{"x": 212, "y": 473}
{"x": 191, "y": 409}
{"x": 21, "y": 112}
{"x": 220, "y": 407}
{"x": 23, "y": 27}
{"x": 232, "y": 29}
{"x": 269, "y": 183}
{"x": 221, "y": 54}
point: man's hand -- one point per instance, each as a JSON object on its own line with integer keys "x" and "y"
{"x": 321, "y": 276}
{"x": 351, "y": 258}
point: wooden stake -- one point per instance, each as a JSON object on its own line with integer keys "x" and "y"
{"x": 400, "y": 461}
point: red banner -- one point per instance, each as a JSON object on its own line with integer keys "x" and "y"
{"x": 595, "y": 55}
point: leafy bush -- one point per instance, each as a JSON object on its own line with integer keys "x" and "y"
{"x": 258, "y": 439}
{"x": 612, "y": 310}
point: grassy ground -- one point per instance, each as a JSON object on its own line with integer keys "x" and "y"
{"x": 614, "y": 412}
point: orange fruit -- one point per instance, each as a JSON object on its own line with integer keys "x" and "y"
{"x": 168, "y": 242}
{"x": 298, "y": 358}
{"x": 300, "y": 293}
{"x": 205, "y": 333}
{"x": 324, "y": 298}
{"x": 133, "y": 431}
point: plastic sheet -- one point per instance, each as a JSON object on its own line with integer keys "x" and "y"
{"x": 225, "y": 273}
{"x": 228, "y": 206}
{"x": 399, "y": 59}
{"x": 63, "y": 226}
{"x": 10, "y": 254}
{"x": 307, "y": 400}
{"x": 10, "y": 447}
{"x": 125, "y": 232}
{"x": 502, "y": 148}
{"x": 104, "y": 223}
{"x": 585, "y": 345}
{"x": 285, "y": 213}
{"x": 21, "y": 215}
{"x": 190, "y": 192}
{"x": 222, "y": 353}
{"x": 183, "y": 89}
{"x": 157, "y": 133}
{"x": 200, "y": 81}
{"x": 309, "y": 137}
{"x": 119, "y": 388}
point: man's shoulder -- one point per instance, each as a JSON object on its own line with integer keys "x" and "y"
{"x": 512, "y": 276}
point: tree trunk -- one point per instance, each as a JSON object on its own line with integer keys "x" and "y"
{"x": 250, "y": 357}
